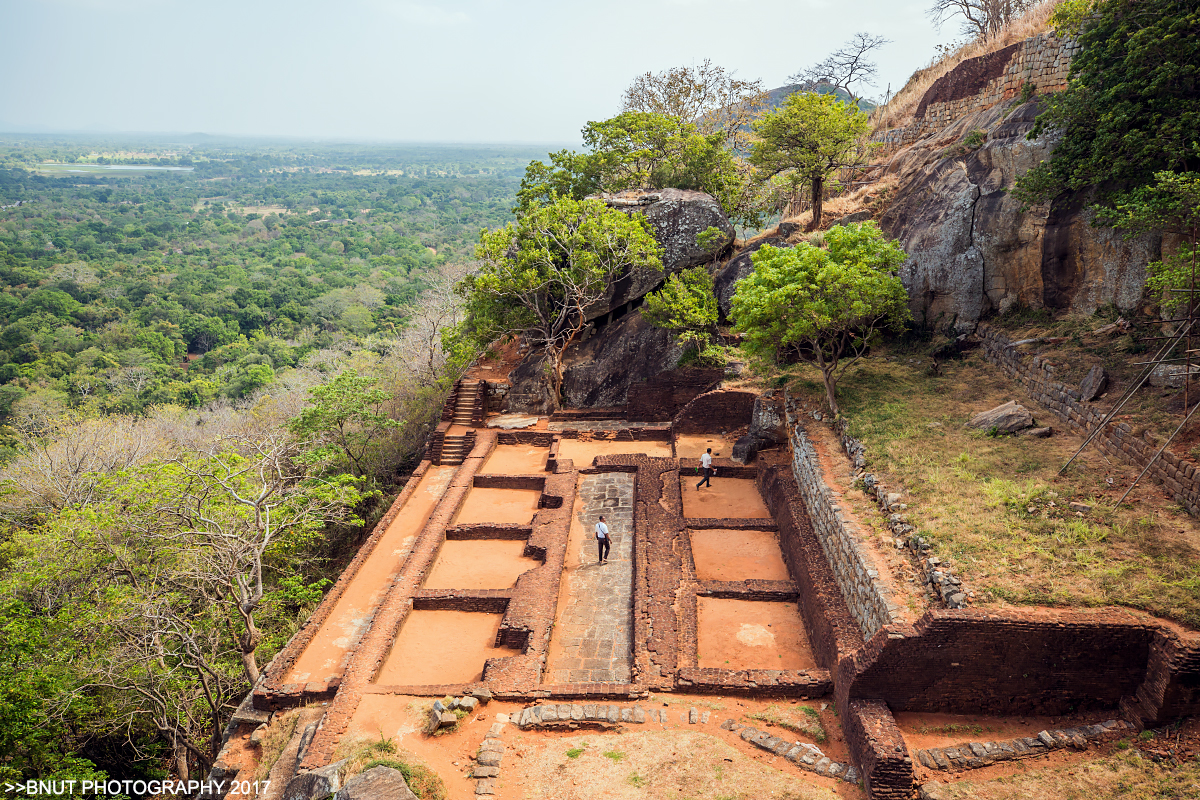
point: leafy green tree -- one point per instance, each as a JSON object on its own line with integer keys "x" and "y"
{"x": 809, "y": 138}
{"x": 686, "y": 305}
{"x": 345, "y": 422}
{"x": 641, "y": 150}
{"x": 539, "y": 276}
{"x": 1170, "y": 205}
{"x": 829, "y": 304}
{"x": 1132, "y": 106}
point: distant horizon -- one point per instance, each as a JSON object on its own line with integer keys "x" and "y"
{"x": 407, "y": 71}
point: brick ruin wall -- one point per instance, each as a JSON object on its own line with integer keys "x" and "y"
{"x": 869, "y": 602}
{"x": 661, "y": 397}
{"x": 1044, "y": 61}
{"x": 1179, "y": 477}
{"x": 718, "y": 411}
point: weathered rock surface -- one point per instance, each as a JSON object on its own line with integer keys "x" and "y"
{"x": 676, "y": 217}
{"x": 317, "y": 784}
{"x": 1170, "y": 376}
{"x": 1007, "y": 418}
{"x": 1093, "y": 384}
{"x": 377, "y": 783}
{"x": 600, "y": 371}
{"x": 972, "y": 251}
{"x": 726, "y": 278}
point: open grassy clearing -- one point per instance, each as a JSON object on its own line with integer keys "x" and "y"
{"x": 1126, "y": 776}
{"x": 995, "y": 508}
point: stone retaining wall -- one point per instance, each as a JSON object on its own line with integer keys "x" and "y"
{"x": 1178, "y": 477}
{"x": 718, "y": 411}
{"x": 1043, "y": 61}
{"x": 867, "y": 599}
{"x": 660, "y": 397}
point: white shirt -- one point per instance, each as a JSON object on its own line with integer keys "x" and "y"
{"x": 601, "y": 530}
{"x": 706, "y": 460}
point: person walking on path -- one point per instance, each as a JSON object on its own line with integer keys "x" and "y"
{"x": 602, "y": 540}
{"x": 706, "y": 468}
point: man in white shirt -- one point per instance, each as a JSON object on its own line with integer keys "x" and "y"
{"x": 706, "y": 468}
{"x": 602, "y": 540}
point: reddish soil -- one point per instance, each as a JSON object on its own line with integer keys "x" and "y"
{"x": 479, "y": 564}
{"x": 354, "y": 609}
{"x": 582, "y": 451}
{"x": 515, "y": 459}
{"x": 692, "y": 446}
{"x": 726, "y": 498}
{"x": 743, "y": 634}
{"x": 496, "y": 365}
{"x": 437, "y": 647}
{"x": 498, "y": 506}
{"x": 724, "y": 555}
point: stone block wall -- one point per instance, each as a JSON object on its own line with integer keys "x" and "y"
{"x": 659, "y": 398}
{"x": 877, "y": 745}
{"x": 1044, "y": 61}
{"x": 1036, "y": 374}
{"x": 868, "y": 601}
{"x": 721, "y": 410}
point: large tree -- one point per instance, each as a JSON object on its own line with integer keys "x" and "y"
{"x": 1132, "y": 106}
{"x": 826, "y": 304}
{"x": 540, "y": 275}
{"x": 982, "y": 19}
{"x": 810, "y": 137}
{"x": 847, "y": 68}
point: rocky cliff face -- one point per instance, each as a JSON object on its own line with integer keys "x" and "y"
{"x": 624, "y": 348}
{"x": 972, "y": 251}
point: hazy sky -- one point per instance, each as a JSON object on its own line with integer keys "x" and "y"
{"x": 457, "y": 70}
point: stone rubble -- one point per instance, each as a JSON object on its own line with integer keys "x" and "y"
{"x": 972, "y": 755}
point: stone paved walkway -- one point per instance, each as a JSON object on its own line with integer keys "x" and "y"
{"x": 602, "y": 425}
{"x": 595, "y": 627}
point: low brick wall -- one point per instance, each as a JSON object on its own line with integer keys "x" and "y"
{"x": 1179, "y": 477}
{"x": 1043, "y": 61}
{"x": 866, "y": 598}
{"x": 878, "y": 747}
{"x": 721, "y": 410}
{"x": 832, "y": 631}
{"x": 660, "y": 398}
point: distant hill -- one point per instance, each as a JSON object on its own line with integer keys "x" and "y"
{"x": 776, "y": 97}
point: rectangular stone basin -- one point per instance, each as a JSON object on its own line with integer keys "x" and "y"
{"x": 726, "y": 498}
{"x": 498, "y": 506}
{"x": 515, "y": 459}
{"x": 692, "y": 445}
{"x": 440, "y": 647}
{"x": 479, "y": 564}
{"x": 582, "y": 451}
{"x": 732, "y": 555}
{"x": 746, "y": 634}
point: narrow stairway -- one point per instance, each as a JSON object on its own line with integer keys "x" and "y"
{"x": 457, "y": 447}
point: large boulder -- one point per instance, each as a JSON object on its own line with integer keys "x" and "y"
{"x": 1007, "y": 418}
{"x": 317, "y": 784}
{"x": 676, "y": 217}
{"x": 600, "y": 371}
{"x": 726, "y": 279}
{"x": 377, "y": 783}
{"x": 972, "y": 251}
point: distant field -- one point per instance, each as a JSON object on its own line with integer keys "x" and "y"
{"x": 94, "y": 169}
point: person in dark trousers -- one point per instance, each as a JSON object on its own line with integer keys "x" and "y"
{"x": 706, "y": 468}
{"x": 602, "y": 540}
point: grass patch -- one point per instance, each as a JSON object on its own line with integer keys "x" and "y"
{"x": 615, "y": 755}
{"x": 364, "y": 753}
{"x": 801, "y": 719}
{"x": 636, "y": 780}
{"x": 575, "y": 752}
{"x": 995, "y": 507}
{"x": 952, "y": 729}
{"x": 278, "y": 735}
{"x": 1127, "y": 776}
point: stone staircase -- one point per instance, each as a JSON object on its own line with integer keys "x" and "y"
{"x": 464, "y": 408}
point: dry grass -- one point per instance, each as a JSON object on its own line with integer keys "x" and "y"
{"x": 802, "y": 719}
{"x": 871, "y": 197}
{"x": 900, "y": 109}
{"x": 656, "y": 764}
{"x": 995, "y": 507}
{"x": 282, "y": 728}
{"x": 1127, "y": 776}
{"x": 364, "y": 753}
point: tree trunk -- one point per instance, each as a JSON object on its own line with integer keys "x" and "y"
{"x": 831, "y": 391}
{"x": 248, "y": 641}
{"x": 818, "y": 185}
{"x": 181, "y": 761}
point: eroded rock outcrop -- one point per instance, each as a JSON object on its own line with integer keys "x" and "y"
{"x": 971, "y": 249}
{"x": 600, "y": 371}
